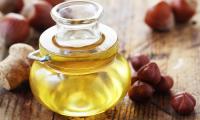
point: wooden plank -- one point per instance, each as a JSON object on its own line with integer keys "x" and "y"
{"x": 170, "y": 50}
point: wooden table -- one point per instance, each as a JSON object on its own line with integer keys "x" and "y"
{"x": 177, "y": 53}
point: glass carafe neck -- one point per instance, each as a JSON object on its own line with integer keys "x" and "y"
{"x": 77, "y": 23}
{"x": 78, "y": 36}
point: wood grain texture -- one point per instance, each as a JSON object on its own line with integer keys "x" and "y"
{"x": 177, "y": 53}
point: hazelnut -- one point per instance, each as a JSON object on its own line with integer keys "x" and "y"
{"x": 160, "y": 17}
{"x": 150, "y": 73}
{"x": 183, "y": 103}
{"x": 14, "y": 28}
{"x": 54, "y": 2}
{"x": 165, "y": 84}
{"x": 183, "y": 10}
{"x": 7, "y": 6}
{"x": 140, "y": 91}
{"x": 38, "y": 15}
{"x": 139, "y": 60}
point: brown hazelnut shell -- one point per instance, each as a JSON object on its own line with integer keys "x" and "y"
{"x": 38, "y": 15}
{"x": 150, "y": 73}
{"x": 140, "y": 91}
{"x": 14, "y": 28}
{"x": 138, "y": 61}
{"x": 160, "y": 17}
{"x": 183, "y": 10}
{"x": 8, "y": 6}
{"x": 183, "y": 103}
{"x": 165, "y": 84}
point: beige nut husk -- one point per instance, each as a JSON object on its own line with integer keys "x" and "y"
{"x": 15, "y": 68}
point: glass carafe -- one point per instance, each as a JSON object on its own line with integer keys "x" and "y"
{"x": 77, "y": 70}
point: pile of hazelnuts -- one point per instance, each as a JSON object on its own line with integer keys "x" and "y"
{"x": 18, "y": 18}
{"x": 148, "y": 79}
{"x": 163, "y": 15}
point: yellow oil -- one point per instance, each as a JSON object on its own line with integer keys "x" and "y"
{"x": 95, "y": 88}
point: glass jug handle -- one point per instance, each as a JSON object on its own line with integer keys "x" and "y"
{"x": 36, "y": 56}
